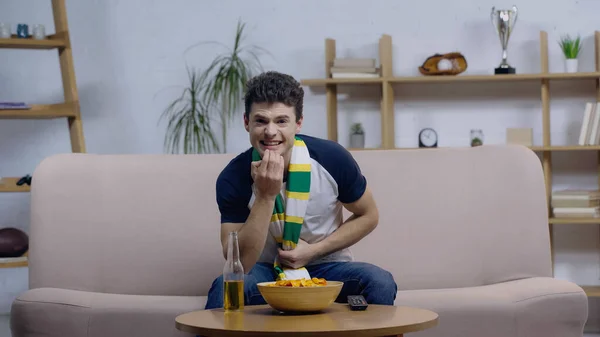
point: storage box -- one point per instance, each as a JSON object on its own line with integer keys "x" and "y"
{"x": 520, "y": 136}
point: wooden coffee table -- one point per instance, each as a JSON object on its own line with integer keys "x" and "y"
{"x": 337, "y": 320}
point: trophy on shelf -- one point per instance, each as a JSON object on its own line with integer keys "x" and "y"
{"x": 504, "y": 21}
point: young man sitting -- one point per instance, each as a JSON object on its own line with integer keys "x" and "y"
{"x": 312, "y": 179}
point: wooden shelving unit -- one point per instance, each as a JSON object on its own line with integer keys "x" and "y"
{"x": 387, "y": 81}
{"x": 69, "y": 109}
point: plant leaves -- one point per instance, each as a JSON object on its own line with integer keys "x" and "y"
{"x": 216, "y": 92}
{"x": 188, "y": 127}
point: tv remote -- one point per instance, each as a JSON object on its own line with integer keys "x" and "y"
{"x": 357, "y": 302}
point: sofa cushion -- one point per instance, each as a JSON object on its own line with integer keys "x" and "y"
{"x": 532, "y": 307}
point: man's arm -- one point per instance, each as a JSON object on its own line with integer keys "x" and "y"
{"x": 363, "y": 221}
{"x": 252, "y": 234}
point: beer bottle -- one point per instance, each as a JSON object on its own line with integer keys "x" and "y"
{"x": 233, "y": 276}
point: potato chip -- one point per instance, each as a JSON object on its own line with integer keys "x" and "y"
{"x": 300, "y": 283}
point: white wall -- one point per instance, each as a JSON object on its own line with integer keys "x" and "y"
{"x": 121, "y": 64}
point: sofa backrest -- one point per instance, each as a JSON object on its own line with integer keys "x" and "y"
{"x": 148, "y": 224}
{"x": 457, "y": 217}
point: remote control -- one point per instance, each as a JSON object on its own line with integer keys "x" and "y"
{"x": 357, "y": 302}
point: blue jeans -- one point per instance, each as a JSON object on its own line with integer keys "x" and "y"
{"x": 374, "y": 283}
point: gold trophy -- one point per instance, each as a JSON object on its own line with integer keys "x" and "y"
{"x": 504, "y": 21}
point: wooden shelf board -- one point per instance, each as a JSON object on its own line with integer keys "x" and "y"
{"x": 571, "y": 76}
{"x": 533, "y": 148}
{"x": 566, "y": 148}
{"x": 53, "y": 41}
{"x": 574, "y": 221}
{"x": 22, "y": 261}
{"x": 324, "y": 81}
{"x": 15, "y": 264}
{"x": 364, "y": 149}
{"x": 592, "y": 291}
{"x": 496, "y": 78}
{"x": 457, "y": 78}
{"x": 41, "y": 112}
{"x": 9, "y": 184}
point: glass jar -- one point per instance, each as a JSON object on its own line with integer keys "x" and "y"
{"x": 5, "y": 31}
{"x": 39, "y": 32}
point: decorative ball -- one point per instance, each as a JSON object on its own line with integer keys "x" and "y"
{"x": 444, "y": 64}
{"x": 13, "y": 242}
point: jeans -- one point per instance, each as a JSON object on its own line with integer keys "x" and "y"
{"x": 374, "y": 283}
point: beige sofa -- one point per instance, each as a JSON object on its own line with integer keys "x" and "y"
{"x": 121, "y": 244}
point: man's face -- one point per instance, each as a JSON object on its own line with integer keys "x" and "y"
{"x": 273, "y": 127}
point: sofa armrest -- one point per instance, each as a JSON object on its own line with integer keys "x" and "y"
{"x": 50, "y": 312}
{"x": 71, "y": 313}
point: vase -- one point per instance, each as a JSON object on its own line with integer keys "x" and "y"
{"x": 357, "y": 141}
{"x": 571, "y": 65}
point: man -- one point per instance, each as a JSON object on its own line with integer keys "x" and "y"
{"x": 248, "y": 187}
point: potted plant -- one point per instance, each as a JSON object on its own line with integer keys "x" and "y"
{"x": 357, "y": 136}
{"x": 571, "y": 49}
{"x": 476, "y": 137}
{"x": 211, "y": 95}
{"x": 189, "y": 121}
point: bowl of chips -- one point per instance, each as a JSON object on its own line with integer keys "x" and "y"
{"x": 301, "y": 295}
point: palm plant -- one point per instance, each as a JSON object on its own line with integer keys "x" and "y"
{"x": 189, "y": 120}
{"x": 214, "y": 94}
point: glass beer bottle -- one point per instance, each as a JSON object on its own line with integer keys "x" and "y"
{"x": 233, "y": 276}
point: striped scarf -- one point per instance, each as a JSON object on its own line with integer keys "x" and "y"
{"x": 286, "y": 221}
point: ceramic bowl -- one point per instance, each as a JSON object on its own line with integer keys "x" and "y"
{"x": 300, "y": 299}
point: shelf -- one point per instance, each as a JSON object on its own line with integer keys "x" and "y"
{"x": 566, "y": 148}
{"x": 457, "y": 78}
{"x": 591, "y": 291}
{"x": 496, "y": 78}
{"x": 41, "y": 112}
{"x": 18, "y": 262}
{"x": 533, "y": 148}
{"x": 53, "y": 41}
{"x": 8, "y": 184}
{"x": 325, "y": 81}
{"x": 574, "y": 221}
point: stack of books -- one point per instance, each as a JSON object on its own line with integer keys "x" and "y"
{"x": 590, "y": 126}
{"x": 354, "y": 68}
{"x": 14, "y": 106}
{"x": 576, "y": 203}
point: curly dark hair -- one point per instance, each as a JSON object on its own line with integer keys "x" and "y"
{"x": 271, "y": 87}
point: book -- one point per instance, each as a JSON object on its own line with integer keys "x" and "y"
{"x": 14, "y": 105}
{"x": 370, "y": 70}
{"x": 585, "y": 123}
{"x": 354, "y": 62}
{"x": 354, "y": 75}
{"x": 576, "y": 212}
{"x": 575, "y": 201}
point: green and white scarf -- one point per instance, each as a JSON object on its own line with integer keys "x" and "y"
{"x": 286, "y": 221}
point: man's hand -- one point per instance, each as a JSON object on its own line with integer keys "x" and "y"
{"x": 268, "y": 175}
{"x": 297, "y": 257}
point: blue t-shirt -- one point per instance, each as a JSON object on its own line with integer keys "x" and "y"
{"x": 336, "y": 178}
